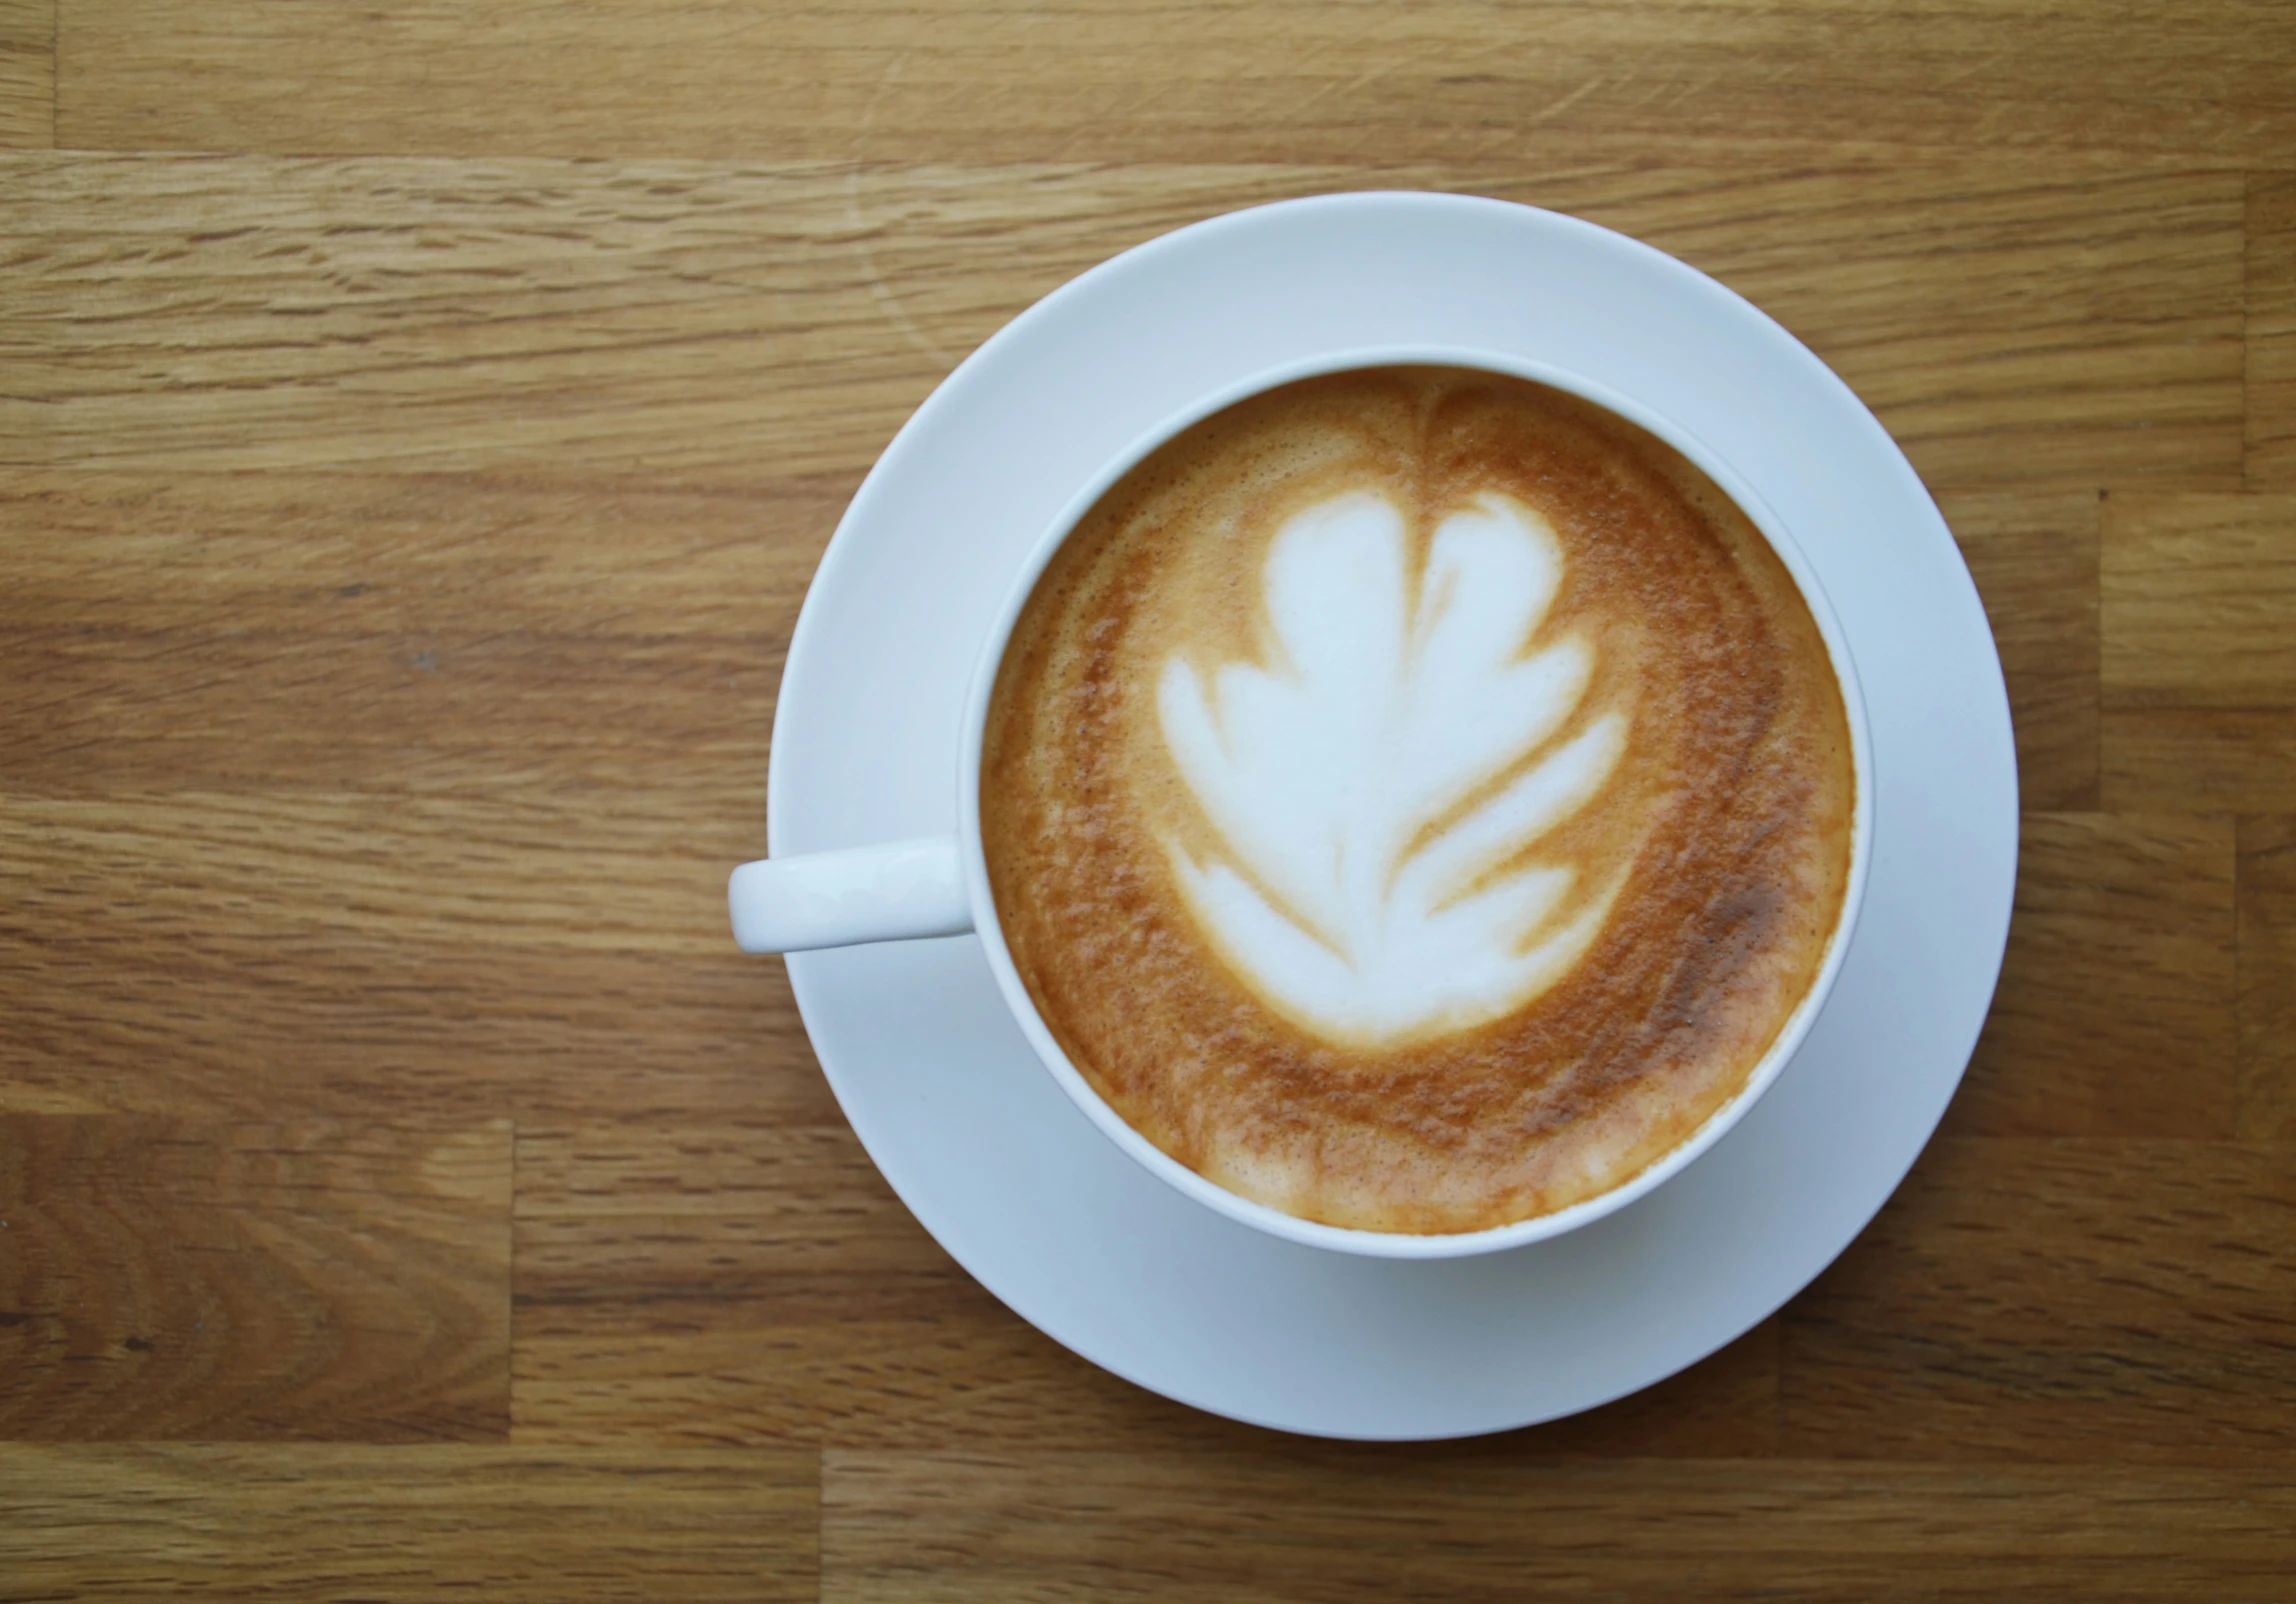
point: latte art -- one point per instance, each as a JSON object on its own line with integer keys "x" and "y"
{"x": 1416, "y": 799}
{"x": 1369, "y": 787}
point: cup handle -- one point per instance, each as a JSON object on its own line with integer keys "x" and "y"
{"x": 898, "y": 892}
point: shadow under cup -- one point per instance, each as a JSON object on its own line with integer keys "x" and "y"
{"x": 1269, "y": 929}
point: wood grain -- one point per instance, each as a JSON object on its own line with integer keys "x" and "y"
{"x": 739, "y": 325}
{"x": 761, "y": 1284}
{"x": 260, "y": 1028}
{"x": 1044, "y": 1527}
{"x": 2034, "y": 557}
{"x": 2196, "y": 592}
{"x": 395, "y": 635}
{"x": 165, "y": 1279}
{"x": 463, "y": 873}
{"x": 2114, "y": 1011}
{"x": 2066, "y": 1300}
{"x": 345, "y": 556}
{"x": 104, "y": 712}
{"x": 1916, "y": 284}
{"x": 418, "y": 426}
{"x": 2267, "y": 987}
{"x": 644, "y": 1228}
{"x": 977, "y": 1375}
{"x": 200, "y": 954}
{"x": 908, "y": 82}
{"x": 412, "y": 1522}
{"x": 2198, "y": 679}
{"x": 27, "y": 73}
{"x": 2217, "y": 760}
{"x": 2271, "y": 399}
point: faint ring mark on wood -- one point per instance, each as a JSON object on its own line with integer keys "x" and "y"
{"x": 889, "y": 302}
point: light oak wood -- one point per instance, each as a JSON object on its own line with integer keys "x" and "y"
{"x": 2216, "y": 760}
{"x": 348, "y": 556}
{"x": 2267, "y": 994}
{"x": 1023, "y": 1528}
{"x": 2196, "y": 596}
{"x": 418, "y": 1521}
{"x": 97, "y": 713}
{"x": 27, "y": 73}
{"x": 2034, "y": 557}
{"x": 165, "y": 1279}
{"x": 2024, "y": 1299}
{"x": 743, "y": 325}
{"x": 761, "y": 1284}
{"x": 643, "y": 1228}
{"x": 256, "y": 1028}
{"x": 418, "y": 426}
{"x": 2271, "y": 400}
{"x": 468, "y": 874}
{"x": 2197, "y": 677}
{"x": 2114, "y": 1013}
{"x": 1101, "y": 81}
{"x": 465, "y": 623}
{"x": 967, "y": 1373}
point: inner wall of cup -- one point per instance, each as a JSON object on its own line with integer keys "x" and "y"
{"x": 1259, "y": 1215}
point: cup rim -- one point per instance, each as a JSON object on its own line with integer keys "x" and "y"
{"x": 1265, "y": 1217}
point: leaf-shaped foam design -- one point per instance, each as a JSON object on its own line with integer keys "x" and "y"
{"x": 1322, "y": 772}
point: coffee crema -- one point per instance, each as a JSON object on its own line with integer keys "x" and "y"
{"x": 1416, "y": 799}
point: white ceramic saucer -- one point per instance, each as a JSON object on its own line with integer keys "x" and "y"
{"x": 1045, "y": 1211}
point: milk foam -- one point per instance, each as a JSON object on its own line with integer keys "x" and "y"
{"x": 1316, "y": 745}
{"x": 1355, "y": 889}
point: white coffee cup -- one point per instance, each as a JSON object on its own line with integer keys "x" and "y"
{"x": 939, "y": 886}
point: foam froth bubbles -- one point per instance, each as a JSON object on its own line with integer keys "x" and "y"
{"x": 1374, "y": 785}
{"x": 1416, "y": 799}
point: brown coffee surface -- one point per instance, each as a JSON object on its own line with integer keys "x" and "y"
{"x": 1416, "y": 799}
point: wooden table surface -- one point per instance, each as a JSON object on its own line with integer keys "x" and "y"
{"x": 418, "y": 424}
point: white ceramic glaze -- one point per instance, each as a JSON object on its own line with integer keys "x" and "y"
{"x": 903, "y": 891}
{"x": 948, "y": 1094}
